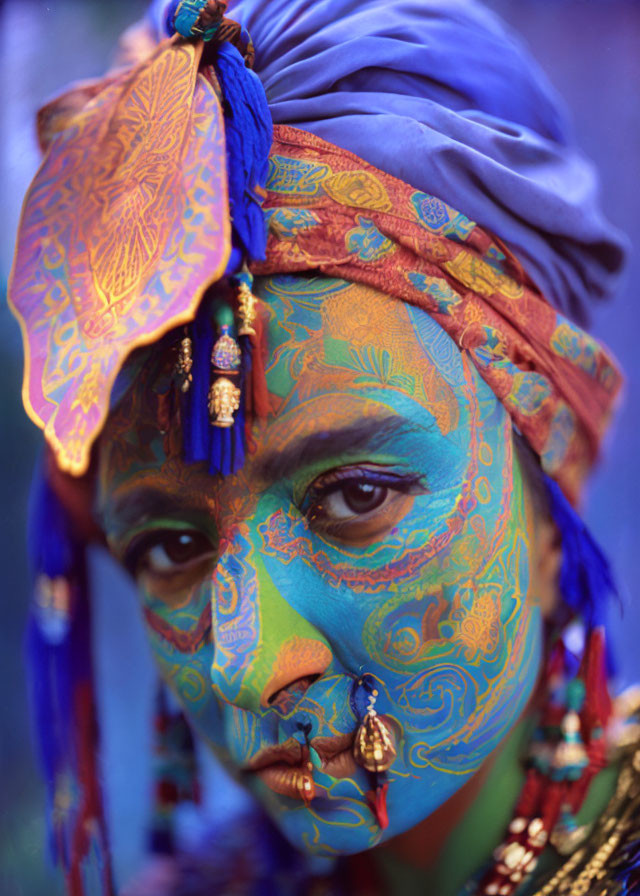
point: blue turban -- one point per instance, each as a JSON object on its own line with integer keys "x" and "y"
{"x": 441, "y": 95}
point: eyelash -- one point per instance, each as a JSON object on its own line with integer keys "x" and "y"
{"x": 338, "y": 479}
{"x": 144, "y": 543}
{"x": 346, "y": 528}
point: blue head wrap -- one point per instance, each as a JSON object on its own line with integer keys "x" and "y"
{"x": 441, "y": 95}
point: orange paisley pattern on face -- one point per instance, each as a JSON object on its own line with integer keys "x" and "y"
{"x": 123, "y": 229}
{"x": 360, "y": 224}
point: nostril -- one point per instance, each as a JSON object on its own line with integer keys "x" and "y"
{"x": 292, "y": 692}
{"x": 298, "y": 663}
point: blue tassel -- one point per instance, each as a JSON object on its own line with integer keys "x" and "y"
{"x": 50, "y": 538}
{"x": 59, "y": 654}
{"x": 248, "y": 134}
{"x": 586, "y": 579}
{"x": 48, "y": 645}
{"x": 222, "y": 448}
{"x": 196, "y": 428}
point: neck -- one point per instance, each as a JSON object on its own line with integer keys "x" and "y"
{"x": 444, "y": 851}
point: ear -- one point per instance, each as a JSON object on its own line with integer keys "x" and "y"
{"x": 546, "y": 559}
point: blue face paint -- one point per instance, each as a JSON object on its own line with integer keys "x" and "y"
{"x": 379, "y": 525}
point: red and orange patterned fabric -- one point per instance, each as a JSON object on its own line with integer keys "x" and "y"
{"x": 127, "y": 223}
{"x": 330, "y": 211}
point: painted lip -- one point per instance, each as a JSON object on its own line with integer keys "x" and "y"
{"x": 279, "y": 767}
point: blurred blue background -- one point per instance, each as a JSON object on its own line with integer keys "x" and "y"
{"x": 590, "y": 50}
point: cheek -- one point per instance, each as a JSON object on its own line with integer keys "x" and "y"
{"x": 182, "y": 648}
{"x": 459, "y": 649}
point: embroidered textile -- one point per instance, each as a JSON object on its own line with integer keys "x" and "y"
{"x": 123, "y": 228}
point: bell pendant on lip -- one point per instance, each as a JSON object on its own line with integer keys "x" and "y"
{"x": 184, "y": 364}
{"x": 225, "y": 355}
{"x": 305, "y": 787}
{"x": 373, "y": 748}
{"x": 224, "y": 401}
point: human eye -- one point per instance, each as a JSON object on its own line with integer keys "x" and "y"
{"x": 168, "y": 563}
{"x": 358, "y": 505}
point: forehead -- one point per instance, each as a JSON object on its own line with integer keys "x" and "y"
{"x": 338, "y": 355}
{"x": 332, "y": 343}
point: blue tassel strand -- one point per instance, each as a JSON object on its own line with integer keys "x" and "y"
{"x": 586, "y": 579}
{"x": 51, "y": 551}
{"x": 248, "y": 134}
{"x": 196, "y": 427}
{"x": 59, "y": 655}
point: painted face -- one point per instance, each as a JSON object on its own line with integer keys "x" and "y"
{"x": 378, "y": 526}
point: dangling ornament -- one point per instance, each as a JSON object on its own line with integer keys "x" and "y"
{"x": 373, "y": 748}
{"x": 224, "y": 401}
{"x": 225, "y": 356}
{"x": 184, "y": 364}
{"x": 224, "y": 395}
{"x": 52, "y": 607}
{"x": 570, "y": 757}
{"x": 246, "y": 309}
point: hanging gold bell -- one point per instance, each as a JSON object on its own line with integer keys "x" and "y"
{"x": 373, "y": 748}
{"x": 224, "y": 401}
{"x": 246, "y": 310}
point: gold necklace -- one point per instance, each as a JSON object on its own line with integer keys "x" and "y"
{"x": 611, "y": 851}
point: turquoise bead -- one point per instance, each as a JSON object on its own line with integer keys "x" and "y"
{"x": 185, "y": 19}
{"x": 575, "y": 694}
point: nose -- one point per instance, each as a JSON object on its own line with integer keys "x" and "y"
{"x": 265, "y": 652}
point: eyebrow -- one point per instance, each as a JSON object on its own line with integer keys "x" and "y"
{"x": 138, "y": 504}
{"x": 378, "y": 432}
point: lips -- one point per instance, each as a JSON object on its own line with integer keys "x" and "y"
{"x": 286, "y": 769}
{"x": 281, "y": 766}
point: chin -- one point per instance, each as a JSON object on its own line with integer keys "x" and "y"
{"x": 339, "y": 820}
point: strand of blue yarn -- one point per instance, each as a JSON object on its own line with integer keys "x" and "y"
{"x": 248, "y": 135}
{"x": 587, "y": 582}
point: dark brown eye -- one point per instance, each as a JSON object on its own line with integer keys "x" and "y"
{"x": 169, "y": 562}
{"x": 359, "y": 505}
{"x": 166, "y": 551}
{"x": 363, "y": 497}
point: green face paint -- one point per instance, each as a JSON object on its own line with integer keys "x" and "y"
{"x": 377, "y": 526}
